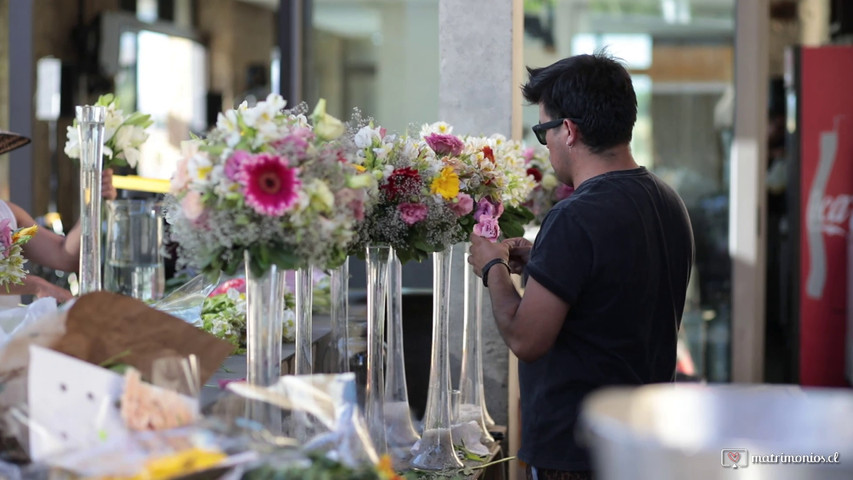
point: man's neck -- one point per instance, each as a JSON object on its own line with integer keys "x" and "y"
{"x": 588, "y": 164}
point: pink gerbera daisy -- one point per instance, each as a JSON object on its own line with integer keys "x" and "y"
{"x": 269, "y": 185}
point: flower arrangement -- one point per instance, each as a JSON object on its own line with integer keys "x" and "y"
{"x": 123, "y": 134}
{"x": 494, "y": 174}
{"x": 223, "y": 313}
{"x": 12, "y": 260}
{"x": 435, "y": 189}
{"x": 548, "y": 190}
{"x": 267, "y": 181}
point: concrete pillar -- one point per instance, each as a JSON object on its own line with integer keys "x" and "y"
{"x": 479, "y": 77}
{"x": 748, "y": 210}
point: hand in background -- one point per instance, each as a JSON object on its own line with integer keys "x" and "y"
{"x": 519, "y": 253}
{"x": 43, "y": 288}
{"x": 108, "y": 191}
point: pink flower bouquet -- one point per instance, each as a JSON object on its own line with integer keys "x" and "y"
{"x": 272, "y": 182}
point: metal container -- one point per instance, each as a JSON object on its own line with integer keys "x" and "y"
{"x": 701, "y": 432}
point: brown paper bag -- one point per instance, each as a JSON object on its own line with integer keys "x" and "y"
{"x": 103, "y": 326}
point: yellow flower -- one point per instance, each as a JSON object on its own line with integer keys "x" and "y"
{"x": 24, "y": 233}
{"x": 446, "y": 184}
{"x": 386, "y": 469}
{"x": 359, "y": 168}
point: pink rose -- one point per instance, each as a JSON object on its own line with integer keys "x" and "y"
{"x": 232, "y": 165}
{"x": 488, "y": 228}
{"x": 488, "y": 208}
{"x": 564, "y": 191}
{"x": 444, "y": 144}
{"x": 463, "y": 206}
{"x": 527, "y": 154}
{"x": 412, "y": 213}
{"x": 191, "y": 205}
{"x": 238, "y": 284}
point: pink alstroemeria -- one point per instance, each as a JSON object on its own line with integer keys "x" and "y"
{"x": 488, "y": 208}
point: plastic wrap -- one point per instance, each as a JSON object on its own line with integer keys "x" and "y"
{"x": 186, "y": 301}
{"x": 322, "y": 411}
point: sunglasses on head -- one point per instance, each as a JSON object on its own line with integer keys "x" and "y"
{"x": 541, "y": 129}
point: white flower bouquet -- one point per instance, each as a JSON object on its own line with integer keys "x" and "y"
{"x": 123, "y": 135}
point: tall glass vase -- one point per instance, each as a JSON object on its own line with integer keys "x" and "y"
{"x": 378, "y": 260}
{"x": 399, "y": 431}
{"x": 264, "y": 314}
{"x": 472, "y": 397}
{"x": 90, "y": 128}
{"x": 435, "y": 450}
{"x": 303, "y": 363}
{"x": 339, "y": 291}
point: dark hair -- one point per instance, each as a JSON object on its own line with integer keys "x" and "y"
{"x": 595, "y": 91}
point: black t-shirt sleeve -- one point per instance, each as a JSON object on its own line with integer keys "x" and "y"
{"x": 562, "y": 256}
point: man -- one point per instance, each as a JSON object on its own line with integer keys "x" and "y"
{"x": 607, "y": 275}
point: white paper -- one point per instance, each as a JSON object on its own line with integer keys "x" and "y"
{"x": 72, "y": 404}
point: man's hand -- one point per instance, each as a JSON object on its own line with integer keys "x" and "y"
{"x": 482, "y": 251}
{"x": 519, "y": 253}
{"x": 108, "y": 191}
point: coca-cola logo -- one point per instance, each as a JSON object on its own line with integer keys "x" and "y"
{"x": 835, "y": 214}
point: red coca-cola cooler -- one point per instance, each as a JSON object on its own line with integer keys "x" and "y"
{"x": 820, "y": 153}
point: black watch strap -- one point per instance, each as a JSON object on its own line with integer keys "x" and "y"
{"x": 491, "y": 264}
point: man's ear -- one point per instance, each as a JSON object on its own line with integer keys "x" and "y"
{"x": 573, "y": 135}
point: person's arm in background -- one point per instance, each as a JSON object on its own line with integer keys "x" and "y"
{"x": 38, "y": 287}
{"x": 60, "y": 252}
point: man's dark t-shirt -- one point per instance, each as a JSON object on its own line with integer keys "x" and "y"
{"x": 619, "y": 252}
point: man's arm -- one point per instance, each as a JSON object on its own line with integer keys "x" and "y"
{"x": 530, "y": 324}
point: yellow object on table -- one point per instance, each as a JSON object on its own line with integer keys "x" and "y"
{"x": 141, "y": 184}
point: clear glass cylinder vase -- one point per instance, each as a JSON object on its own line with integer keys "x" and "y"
{"x": 303, "y": 361}
{"x": 134, "y": 265}
{"x": 399, "y": 431}
{"x": 90, "y": 128}
{"x": 472, "y": 401}
{"x": 378, "y": 261}
{"x": 434, "y": 451}
{"x": 339, "y": 293}
{"x": 265, "y": 306}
